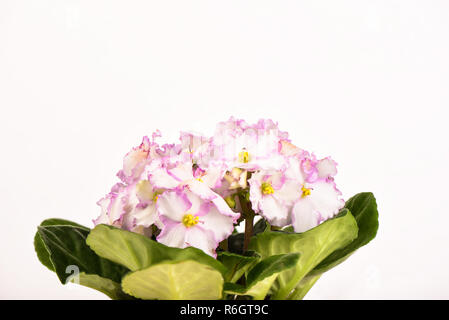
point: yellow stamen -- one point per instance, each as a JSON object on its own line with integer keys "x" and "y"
{"x": 305, "y": 191}
{"x": 267, "y": 188}
{"x": 244, "y": 157}
{"x": 189, "y": 220}
{"x": 200, "y": 180}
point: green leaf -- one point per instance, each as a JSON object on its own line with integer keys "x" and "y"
{"x": 261, "y": 277}
{"x": 257, "y": 291}
{"x": 271, "y": 265}
{"x": 110, "y": 288}
{"x": 304, "y": 286}
{"x": 314, "y": 246}
{"x": 39, "y": 246}
{"x": 175, "y": 280}
{"x": 260, "y": 226}
{"x": 137, "y": 252}
{"x": 42, "y": 253}
{"x": 235, "y": 243}
{"x": 364, "y": 209}
{"x": 236, "y": 264}
{"x": 61, "y": 222}
{"x": 66, "y": 246}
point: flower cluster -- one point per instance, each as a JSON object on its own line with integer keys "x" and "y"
{"x": 193, "y": 193}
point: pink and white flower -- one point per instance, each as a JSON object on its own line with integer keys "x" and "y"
{"x": 173, "y": 175}
{"x": 272, "y": 195}
{"x": 135, "y": 161}
{"x": 320, "y": 199}
{"x": 130, "y": 207}
{"x": 187, "y": 189}
{"x": 255, "y": 147}
{"x": 190, "y": 220}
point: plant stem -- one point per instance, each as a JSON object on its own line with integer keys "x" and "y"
{"x": 249, "y": 221}
{"x": 248, "y": 231}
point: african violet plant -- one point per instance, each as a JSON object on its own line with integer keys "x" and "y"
{"x": 169, "y": 230}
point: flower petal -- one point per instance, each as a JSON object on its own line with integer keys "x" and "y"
{"x": 145, "y": 216}
{"x": 173, "y": 235}
{"x": 326, "y": 199}
{"x": 220, "y": 225}
{"x": 275, "y": 212}
{"x": 326, "y": 168}
{"x": 173, "y": 205}
{"x": 304, "y": 216}
{"x": 202, "y": 239}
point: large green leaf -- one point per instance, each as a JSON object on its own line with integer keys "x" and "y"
{"x": 39, "y": 246}
{"x": 175, "y": 280}
{"x": 61, "y": 246}
{"x": 137, "y": 252}
{"x": 363, "y": 207}
{"x": 271, "y": 265}
{"x": 235, "y": 243}
{"x": 261, "y": 277}
{"x": 67, "y": 247}
{"x": 304, "y": 286}
{"x": 236, "y": 264}
{"x": 314, "y": 246}
{"x": 110, "y": 288}
{"x": 257, "y": 291}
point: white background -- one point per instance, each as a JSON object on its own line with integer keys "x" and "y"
{"x": 363, "y": 81}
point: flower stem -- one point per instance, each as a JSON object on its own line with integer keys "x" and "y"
{"x": 249, "y": 221}
{"x": 248, "y": 231}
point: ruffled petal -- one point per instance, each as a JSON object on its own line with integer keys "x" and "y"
{"x": 161, "y": 179}
{"x": 213, "y": 176}
{"x": 304, "y": 216}
{"x": 322, "y": 203}
{"x": 326, "y": 199}
{"x": 211, "y": 219}
{"x": 134, "y": 161}
{"x": 173, "y": 235}
{"x": 113, "y": 206}
{"x": 181, "y": 171}
{"x": 293, "y": 170}
{"x": 250, "y": 147}
{"x": 103, "y": 217}
{"x": 145, "y": 216}
{"x": 289, "y": 192}
{"x": 202, "y": 239}
{"x": 276, "y": 213}
{"x": 144, "y": 191}
{"x": 327, "y": 168}
{"x": 195, "y": 201}
{"x": 288, "y": 149}
{"x": 173, "y": 205}
{"x": 201, "y": 189}
{"x": 224, "y": 209}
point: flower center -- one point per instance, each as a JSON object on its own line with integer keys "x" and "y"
{"x": 244, "y": 156}
{"x": 267, "y": 188}
{"x": 145, "y": 190}
{"x": 305, "y": 191}
{"x": 189, "y": 220}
